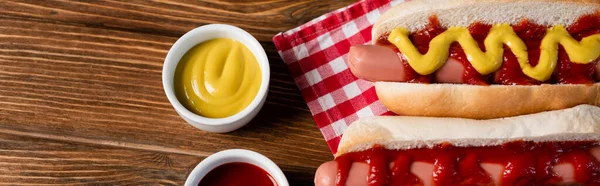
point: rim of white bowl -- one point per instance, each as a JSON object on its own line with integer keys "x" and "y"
{"x": 240, "y": 36}
{"x": 223, "y": 157}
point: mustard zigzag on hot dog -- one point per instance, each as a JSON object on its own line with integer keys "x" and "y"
{"x": 582, "y": 52}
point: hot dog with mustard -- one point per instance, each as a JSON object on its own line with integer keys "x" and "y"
{"x": 526, "y": 56}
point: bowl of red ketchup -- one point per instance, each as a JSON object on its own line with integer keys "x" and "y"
{"x": 236, "y": 167}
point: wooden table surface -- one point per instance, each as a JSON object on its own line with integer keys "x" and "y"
{"x": 81, "y": 97}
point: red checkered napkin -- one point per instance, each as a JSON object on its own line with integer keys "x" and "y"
{"x": 316, "y": 55}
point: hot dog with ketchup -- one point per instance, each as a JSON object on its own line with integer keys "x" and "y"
{"x": 526, "y": 56}
{"x": 490, "y": 92}
{"x": 549, "y": 148}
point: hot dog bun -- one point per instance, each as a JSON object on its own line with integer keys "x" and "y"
{"x": 581, "y": 123}
{"x": 414, "y": 15}
{"x": 482, "y": 102}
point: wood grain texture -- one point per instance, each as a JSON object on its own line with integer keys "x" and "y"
{"x": 85, "y": 77}
{"x": 68, "y": 163}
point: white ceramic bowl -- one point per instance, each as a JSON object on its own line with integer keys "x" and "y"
{"x": 199, "y": 35}
{"x": 235, "y": 155}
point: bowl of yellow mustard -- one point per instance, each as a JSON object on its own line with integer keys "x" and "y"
{"x": 216, "y": 77}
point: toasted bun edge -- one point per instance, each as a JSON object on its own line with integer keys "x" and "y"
{"x": 482, "y": 102}
{"x": 414, "y": 15}
{"x": 581, "y": 123}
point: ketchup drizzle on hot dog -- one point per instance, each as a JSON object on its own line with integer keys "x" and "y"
{"x": 526, "y": 163}
{"x": 400, "y": 172}
{"x": 510, "y": 73}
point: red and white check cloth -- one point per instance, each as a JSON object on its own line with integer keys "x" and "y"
{"x": 316, "y": 55}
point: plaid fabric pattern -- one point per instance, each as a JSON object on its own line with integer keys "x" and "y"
{"x": 316, "y": 55}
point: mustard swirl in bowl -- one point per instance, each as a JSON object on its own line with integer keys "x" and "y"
{"x": 217, "y": 78}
